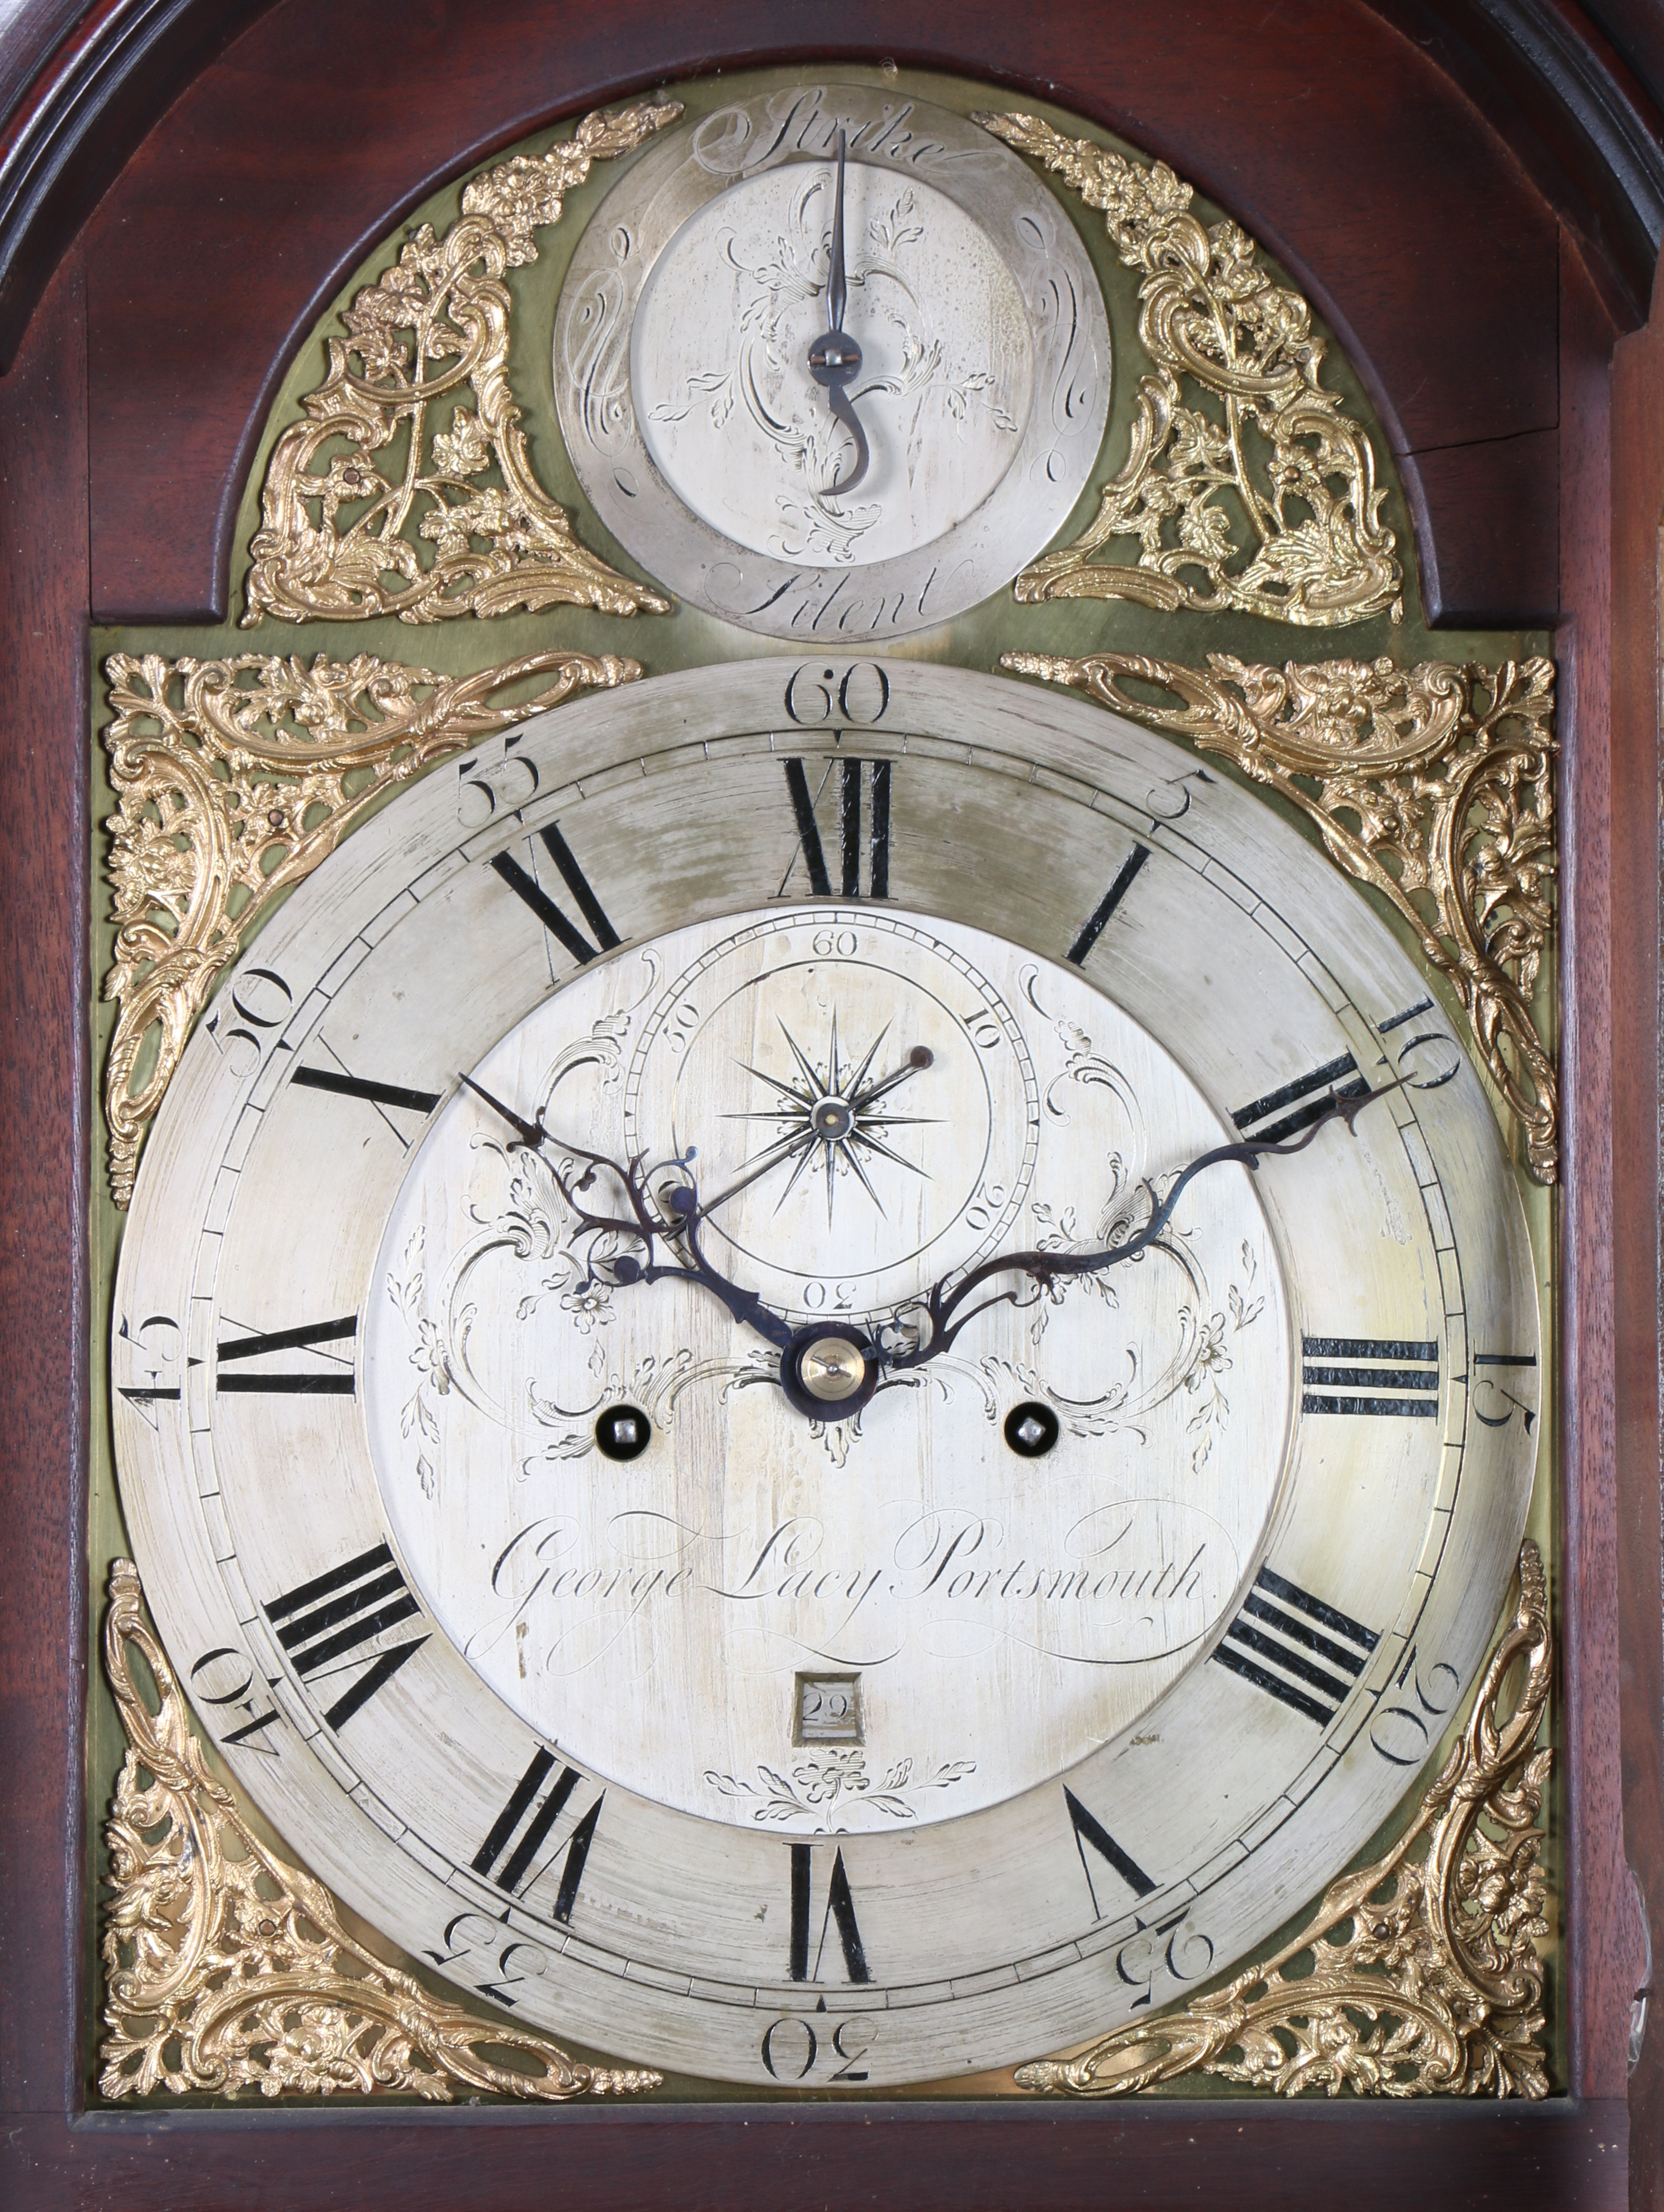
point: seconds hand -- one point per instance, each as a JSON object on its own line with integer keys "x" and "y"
{"x": 834, "y": 360}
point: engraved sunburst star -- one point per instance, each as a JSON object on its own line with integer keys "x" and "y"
{"x": 832, "y": 1114}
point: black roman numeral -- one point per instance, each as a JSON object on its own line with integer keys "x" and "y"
{"x": 152, "y": 1394}
{"x": 1266, "y": 1122}
{"x": 1300, "y": 1650}
{"x": 1089, "y": 1830}
{"x": 853, "y": 779}
{"x": 324, "y": 1381}
{"x": 329, "y": 1619}
{"x": 384, "y": 1097}
{"x": 1093, "y": 926}
{"x": 840, "y": 1913}
{"x": 544, "y": 1807}
{"x": 526, "y": 887}
{"x": 360, "y": 1086}
{"x": 1377, "y": 1375}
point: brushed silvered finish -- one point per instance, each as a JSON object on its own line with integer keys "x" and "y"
{"x": 1434, "y": 785}
{"x": 698, "y": 430}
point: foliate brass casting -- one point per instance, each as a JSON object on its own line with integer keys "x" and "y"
{"x": 1297, "y": 472}
{"x": 333, "y": 544}
{"x": 236, "y": 778}
{"x": 1433, "y": 784}
{"x": 1419, "y": 1974}
{"x": 227, "y": 1969}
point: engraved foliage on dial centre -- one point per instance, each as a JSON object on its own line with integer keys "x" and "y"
{"x": 863, "y": 1104}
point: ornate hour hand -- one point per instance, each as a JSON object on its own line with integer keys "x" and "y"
{"x": 834, "y": 360}
{"x": 642, "y": 1225}
{"x": 941, "y": 1305}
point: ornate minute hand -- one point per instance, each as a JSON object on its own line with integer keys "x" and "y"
{"x": 642, "y": 1225}
{"x": 940, "y": 1305}
{"x": 834, "y": 360}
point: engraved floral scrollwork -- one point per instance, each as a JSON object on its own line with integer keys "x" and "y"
{"x": 333, "y": 544}
{"x": 1416, "y": 1975}
{"x": 1271, "y": 438}
{"x": 1432, "y": 784}
{"x": 820, "y": 1785}
{"x": 227, "y": 1969}
{"x": 236, "y": 777}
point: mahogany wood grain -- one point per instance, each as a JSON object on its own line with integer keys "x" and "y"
{"x": 1276, "y": 2157}
{"x": 1596, "y": 1909}
{"x": 43, "y": 1198}
{"x": 1487, "y": 530}
{"x": 1324, "y": 130}
{"x": 1638, "y": 515}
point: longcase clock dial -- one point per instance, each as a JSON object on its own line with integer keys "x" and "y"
{"x": 856, "y": 1357}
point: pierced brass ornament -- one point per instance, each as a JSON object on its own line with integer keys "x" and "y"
{"x": 1418, "y": 1975}
{"x": 1300, "y": 474}
{"x": 236, "y": 777}
{"x": 332, "y": 542}
{"x": 227, "y": 1969}
{"x": 1433, "y": 784}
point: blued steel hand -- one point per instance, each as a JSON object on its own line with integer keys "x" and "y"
{"x": 529, "y": 1132}
{"x": 940, "y": 1305}
{"x": 834, "y": 360}
{"x": 643, "y": 1226}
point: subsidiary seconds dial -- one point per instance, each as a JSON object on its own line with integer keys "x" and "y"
{"x": 831, "y": 363}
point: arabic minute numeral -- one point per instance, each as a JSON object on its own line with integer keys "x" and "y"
{"x": 1399, "y": 1732}
{"x": 1173, "y": 1945}
{"x": 1297, "y": 1648}
{"x": 791, "y": 2048}
{"x": 225, "y": 1677}
{"x": 259, "y": 1003}
{"x": 855, "y": 693}
{"x": 486, "y": 787}
{"x": 154, "y": 1347}
{"x": 1501, "y": 1405}
{"x": 470, "y": 1939}
{"x": 1439, "y": 1067}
